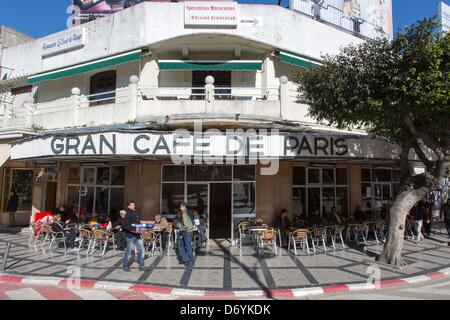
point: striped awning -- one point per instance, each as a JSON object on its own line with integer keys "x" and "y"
{"x": 90, "y": 66}
{"x": 233, "y": 65}
{"x": 296, "y": 60}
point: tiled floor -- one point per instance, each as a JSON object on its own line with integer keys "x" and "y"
{"x": 224, "y": 268}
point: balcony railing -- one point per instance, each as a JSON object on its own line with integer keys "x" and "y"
{"x": 139, "y": 103}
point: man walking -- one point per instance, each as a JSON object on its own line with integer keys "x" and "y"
{"x": 11, "y": 208}
{"x": 445, "y": 213}
{"x": 133, "y": 237}
{"x": 186, "y": 237}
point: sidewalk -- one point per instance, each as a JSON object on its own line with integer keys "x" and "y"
{"x": 223, "y": 271}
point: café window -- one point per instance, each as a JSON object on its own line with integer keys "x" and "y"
{"x": 103, "y": 88}
{"x": 20, "y": 181}
{"x": 320, "y": 189}
{"x": 96, "y": 191}
{"x": 377, "y": 187}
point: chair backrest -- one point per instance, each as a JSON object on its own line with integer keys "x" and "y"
{"x": 149, "y": 236}
{"x": 339, "y": 230}
{"x": 100, "y": 234}
{"x": 268, "y": 235}
{"x": 300, "y": 234}
{"x": 243, "y": 226}
{"x": 86, "y": 234}
{"x": 320, "y": 231}
{"x": 360, "y": 227}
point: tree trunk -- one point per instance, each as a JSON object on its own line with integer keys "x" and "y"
{"x": 392, "y": 253}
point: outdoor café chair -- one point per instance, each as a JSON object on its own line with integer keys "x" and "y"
{"x": 378, "y": 231}
{"x": 244, "y": 232}
{"x": 37, "y": 232}
{"x": 359, "y": 231}
{"x": 102, "y": 239}
{"x": 268, "y": 238}
{"x": 150, "y": 239}
{"x": 56, "y": 238}
{"x": 86, "y": 237}
{"x": 336, "y": 235}
{"x": 319, "y": 234}
{"x": 46, "y": 233}
{"x": 299, "y": 237}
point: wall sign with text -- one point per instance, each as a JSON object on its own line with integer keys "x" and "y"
{"x": 70, "y": 40}
{"x": 215, "y": 14}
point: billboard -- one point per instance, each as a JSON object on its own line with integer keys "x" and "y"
{"x": 444, "y": 16}
{"x": 88, "y": 10}
{"x": 370, "y": 18}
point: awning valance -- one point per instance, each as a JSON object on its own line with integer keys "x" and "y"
{"x": 295, "y": 60}
{"x": 233, "y": 65}
{"x": 7, "y": 85}
{"x": 86, "y": 67}
{"x": 5, "y": 152}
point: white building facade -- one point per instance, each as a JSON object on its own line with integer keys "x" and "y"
{"x": 168, "y": 102}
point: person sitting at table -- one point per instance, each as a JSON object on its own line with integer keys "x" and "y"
{"x": 359, "y": 215}
{"x": 315, "y": 218}
{"x": 119, "y": 234}
{"x": 333, "y": 217}
{"x": 283, "y": 224}
{"x": 163, "y": 226}
{"x": 63, "y": 213}
{"x": 59, "y": 226}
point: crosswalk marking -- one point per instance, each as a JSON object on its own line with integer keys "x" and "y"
{"x": 24, "y": 294}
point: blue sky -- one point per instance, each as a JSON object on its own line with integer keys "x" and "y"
{"x": 39, "y": 18}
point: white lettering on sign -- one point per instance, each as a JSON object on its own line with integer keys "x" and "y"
{"x": 218, "y": 14}
{"x": 70, "y": 40}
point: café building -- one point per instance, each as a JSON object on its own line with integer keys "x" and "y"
{"x": 152, "y": 105}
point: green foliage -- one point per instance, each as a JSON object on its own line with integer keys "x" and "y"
{"x": 395, "y": 89}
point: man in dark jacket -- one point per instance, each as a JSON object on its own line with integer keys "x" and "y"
{"x": 445, "y": 213}
{"x": 133, "y": 237}
{"x": 11, "y": 208}
{"x": 119, "y": 234}
{"x": 283, "y": 224}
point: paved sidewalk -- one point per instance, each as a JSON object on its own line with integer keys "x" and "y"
{"x": 224, "y": 269}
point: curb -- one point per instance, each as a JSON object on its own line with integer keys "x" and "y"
{"x": 186, "y": 293}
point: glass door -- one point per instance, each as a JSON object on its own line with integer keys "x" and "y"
{"x": 382, "y": 194}
{"x": 197, "y": 198}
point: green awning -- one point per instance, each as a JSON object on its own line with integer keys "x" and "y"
{"x": 296, "y": 60}
{"x": 234, "y": 65}
{"x": 86, "y": 67}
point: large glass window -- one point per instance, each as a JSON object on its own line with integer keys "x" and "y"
{"x": 100, "y": 193}
{"x": 378, "y": 186}
{"x": 319, "y": 190}
{"x": 20, "y": 181}
{"x": 172, "y": 196}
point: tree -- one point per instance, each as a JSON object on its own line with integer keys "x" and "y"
{"x": 398, "y": 90}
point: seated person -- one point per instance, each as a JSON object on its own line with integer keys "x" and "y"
{"x": 334, "y": 218}
{"x": 117, "y": 229}
{"x": 199, "y": 222}
{"x": 359, "y": 215}
{"x": 283, "y": 224}
{"x": 60, "y": 226}
{"x": 163, "y": 225}
{"x": 315, "y": 218}
{"x": 62, "y": 212}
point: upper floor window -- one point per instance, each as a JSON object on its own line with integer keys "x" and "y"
{"x": 103, "y": 88}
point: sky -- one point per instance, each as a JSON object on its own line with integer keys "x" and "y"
{"x": 43, "y": 17}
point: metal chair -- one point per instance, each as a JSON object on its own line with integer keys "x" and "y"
{"x": 336, "y": 235}
{"x": 319, "y": 234}
{"x": 86, "y": 237}
{"x": 299, "y": 237}
{"x": 56, "y": 238}
{"x": 409, "y": 229}
{"x": 102, "y": 239}
{"x": 244, "y": 232}
{"x": 267, "y": 238}
{"x": 151, "y": 239}
{"x": 378, "y": 231}
{"x": 359, "y": 231}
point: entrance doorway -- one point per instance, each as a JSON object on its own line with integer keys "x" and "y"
{"x": 382, "y": 196}
{"x": 213, "y": 201}
{"x": 50, "y": 196}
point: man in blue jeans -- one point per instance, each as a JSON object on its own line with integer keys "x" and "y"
{"x": 186, "y": 237}
{"x": 133, "y": 237}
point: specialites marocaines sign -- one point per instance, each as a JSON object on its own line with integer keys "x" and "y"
{"x": 235, "y": 144}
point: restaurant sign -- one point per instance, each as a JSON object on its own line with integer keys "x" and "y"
{"x": 216, "y": 14}
{"x": 235, "y": 144}
{"x": 70, "y": 40}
